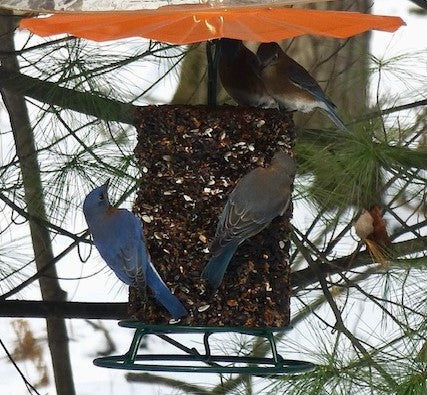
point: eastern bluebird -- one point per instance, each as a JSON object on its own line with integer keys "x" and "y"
{"x": 118, "y": 236}
{"x": 239, "y": 71}
{"x": 256, "y": 200}
{"x": 291, "y": 85}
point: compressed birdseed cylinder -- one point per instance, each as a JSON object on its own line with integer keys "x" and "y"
{"x": 190, "y": 158}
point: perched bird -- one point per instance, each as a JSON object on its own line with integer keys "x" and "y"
{"x": 291, "y": 85}
{"x": 239, "y": 71}
{"x": 371, "y": 228}
{"x": 256, "y": 200}
{"x": 118, "y": 236}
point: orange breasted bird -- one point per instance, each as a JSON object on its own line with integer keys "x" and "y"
{"x": 371, "y": 228}
{"x": 291, "y": 85}
{"x": 239, "y": 71}
{"x": 258, "y": 198}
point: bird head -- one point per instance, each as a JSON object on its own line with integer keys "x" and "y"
{"x": 229, "y": 47}
{"x": 268, "y": 53}
{"x": 285, "y": 161}
{"x": 97, "y": 202}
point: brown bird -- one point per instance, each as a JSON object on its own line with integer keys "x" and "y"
{"x": 291, "y": 85}
{"x": 260, "y": 196}
{"x": 239, "y": 71}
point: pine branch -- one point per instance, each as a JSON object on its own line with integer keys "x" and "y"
{"x": 40, "y": 272}
{"x": 304, "y": 277}
{"x": 391, "y": 110}
{"x": 17, "y": 52}
{"x": 42, "y": 221}
{"x": 339, "y": 324}
{"x": 50, "y": 93}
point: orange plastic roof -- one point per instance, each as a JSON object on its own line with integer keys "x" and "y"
{"x": 182, "y": 25}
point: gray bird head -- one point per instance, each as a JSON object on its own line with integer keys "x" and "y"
{"x": 268, "y": 53}
{"x": 285, "y": 161}
{"x": 97, "y": 202}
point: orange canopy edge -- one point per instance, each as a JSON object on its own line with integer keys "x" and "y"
{"x": 184, "y": 26}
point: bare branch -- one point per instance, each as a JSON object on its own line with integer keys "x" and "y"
{"x": 29, "y": 386}
{"x": 304, "y": 277}
{"x": 149, "y": 378}
{"x": 55, "y": 309}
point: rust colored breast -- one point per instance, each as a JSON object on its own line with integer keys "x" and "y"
{"x": 112, "y": 210}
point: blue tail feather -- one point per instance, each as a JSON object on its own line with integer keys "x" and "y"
{"x": 163, "y": 294}
{"x": 334, "y": 117}
{"x": 215, "y": 269}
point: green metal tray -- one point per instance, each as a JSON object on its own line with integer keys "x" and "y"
{"x": 207, "y": 362}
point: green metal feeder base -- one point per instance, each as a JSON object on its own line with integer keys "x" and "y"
{"x": 212, "y": 363}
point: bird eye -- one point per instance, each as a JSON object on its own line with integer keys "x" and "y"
{"x": 101, "y": 197}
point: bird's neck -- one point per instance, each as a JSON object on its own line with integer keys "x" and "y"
{"x": 93, "y": 216}
{"x": 112, "y": 210}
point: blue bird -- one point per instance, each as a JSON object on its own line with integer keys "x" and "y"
{"x": 258, "y": 198}
{"x": 239, "y": 71}
{"x": 291, "y": 85}
{"x": 117, "y": 235}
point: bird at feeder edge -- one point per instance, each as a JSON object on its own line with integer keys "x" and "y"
{"x": 118, "y": 237}
{"x": 260, "y": 196}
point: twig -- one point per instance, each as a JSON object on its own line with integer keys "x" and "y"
{"x": 150, "y": 378}
{"x": 391, "y": 110}
{"x": 304, "y": 277}
{"x": 40, "y": 272}
{"x": 29, "y": 386}
{"x": 111, "y": 347}
{"x": 339, "y": 325}
{"x": 42, "y": 221}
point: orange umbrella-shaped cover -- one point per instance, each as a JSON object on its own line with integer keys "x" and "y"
{"x": 189, "y": 23}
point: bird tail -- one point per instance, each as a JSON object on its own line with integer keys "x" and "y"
{"x": 163, "y": 294}
{"x": 215, "y": 269}
{"x": 330, "y": 110}
{"x": 378, "y": 252}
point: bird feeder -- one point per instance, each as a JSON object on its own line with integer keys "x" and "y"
{"x": 190, "y": 158}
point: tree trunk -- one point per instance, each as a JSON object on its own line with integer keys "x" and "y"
{"x": 27, "y": 154}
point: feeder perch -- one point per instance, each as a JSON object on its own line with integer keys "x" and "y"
{"x": 186, "y": 362}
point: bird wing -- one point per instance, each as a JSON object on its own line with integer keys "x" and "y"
{"x": 130, "y": 247}
{"x": 300, "y": 77}
{"x": 254, "y": 203}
